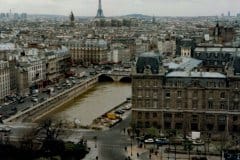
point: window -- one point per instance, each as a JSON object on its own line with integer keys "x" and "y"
{"x": 147, "y": 115}
{"x": 147, "y": 103}
{"x": 139, "y": 115}
{"x": 167, "y": 94}
{"x": 222, "y": 106}
{"x": 167, "y": 115}
{"x": 179, "y": 83}
{"x": 155, "y": 104}
{"x": 139, "y": 93}
{"x": 155, "y": 83}
{"x": 194, "y": 118}
{"x": 139, "y": 83}
{"x": 222, "y": 95}
{"x": 179, "y": 115}
{"x": 179, "y": 105}
{"x": 221, "y": 118}
{"x": 179, "y": 93}
{"x": 210, "y": 105}
{"x": 235, "y": 118}
{"x": 167, "y": 105}
{"x": 195, "y": 83}
{"x": 147, "y": 124}
{"x": 154, "y": 115}
{"x": 235, "y": 106}
{"x": 221, "y": 127}
{"x": 210, "y": 94}
{"x": 210, "y": 127}
{"x": 194, "y": 104}
{"x": 147, "y": 93}
{"x": 179, "y": 126}
{"x": 154, "y": 94}
{"x": 195, "y": 94}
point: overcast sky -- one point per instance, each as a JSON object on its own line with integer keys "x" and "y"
{"x": 123, "y": 7}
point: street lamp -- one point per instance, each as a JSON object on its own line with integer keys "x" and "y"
{"x": 131, "y": 144}
{"x": 95, "y": 139}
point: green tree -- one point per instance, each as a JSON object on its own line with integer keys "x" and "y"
{"x": 188, "y": 146}
{"x": 152, "y": 132}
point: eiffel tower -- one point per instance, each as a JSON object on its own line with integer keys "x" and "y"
{"x": 100, "y": 11}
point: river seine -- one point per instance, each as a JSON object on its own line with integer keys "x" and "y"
{"x": 93, "y": 103}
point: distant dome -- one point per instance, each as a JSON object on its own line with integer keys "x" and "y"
{"x": 236, "y": 64}
{"x": 148, "y": 60}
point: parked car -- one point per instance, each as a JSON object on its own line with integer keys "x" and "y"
{"x": 4, "y": 128}
{"x": 127, "y": 107}
{"x": 149, "y": 140}
{"x": 119, "y": 112}
{"x": 34, "y": 100}
{"x": 141, "y": 138}
{"x": 161, "y": 141}
{"x": 21, "y": 101}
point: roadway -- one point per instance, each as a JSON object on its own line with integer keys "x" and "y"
{"x": 15, "y": 106}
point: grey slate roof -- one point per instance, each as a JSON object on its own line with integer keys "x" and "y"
{"x": 196, "y": 74}
{"x": 148, "y": 60}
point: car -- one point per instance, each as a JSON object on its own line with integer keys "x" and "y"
{"x": 35, "y": 95}
{"x": 21, "y": 101}
{"x": 119, "y": 112}
{"x": 59, "y": 87}
{"x": 127, "y": 107}
{"x": 161, "y": 141}
{"x": 149, "y": 140}
{"x": 4, "y": 128}
{"x": 34, "y": 100}
{"x": 141, "y": 138}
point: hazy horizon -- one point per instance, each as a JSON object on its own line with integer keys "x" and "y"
{"x": 124, "y": 7}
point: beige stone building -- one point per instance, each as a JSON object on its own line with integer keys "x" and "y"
{"x": 22, "y": 81}
{"x": 186, "y": 101}
{"x": 92, "y": 51}
{"x": 4, "y": 79}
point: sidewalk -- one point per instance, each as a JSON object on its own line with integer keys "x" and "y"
{"x": 93, "y": 152}
{"x": 161, "y": 155}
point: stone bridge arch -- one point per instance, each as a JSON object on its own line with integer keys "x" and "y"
{"x": 127, "y": 79}
{"x": 105, "y": 78}
{"x": 115, "y": 78}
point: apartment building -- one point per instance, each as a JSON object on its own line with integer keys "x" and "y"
{"x": 4, "y": 79}
{"x": 185, "y": 100}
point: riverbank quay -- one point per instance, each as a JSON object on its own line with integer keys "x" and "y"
{"x": 38, "y": 111}
{"x": 112, "y": 117}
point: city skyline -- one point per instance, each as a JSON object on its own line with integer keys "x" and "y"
{"x": 111, "y": 7}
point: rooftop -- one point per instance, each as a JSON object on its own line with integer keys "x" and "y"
{"x": 7, "y": 46}
{"x": 184, "y": 63}
{"x": 195, "y": 74}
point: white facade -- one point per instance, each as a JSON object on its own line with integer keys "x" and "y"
{"x": 4, "y": 79}
{"x": 167, "y": 46}
{"x": 35, "y": 72}
{"x": 34, "y": 65}
{"x": 186, "y": 51}
{"x": 115, "y": 55}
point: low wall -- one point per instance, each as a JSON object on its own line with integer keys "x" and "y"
{"x": 36, "y": 112}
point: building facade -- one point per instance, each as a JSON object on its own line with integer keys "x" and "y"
{"x": 92, "y": 51}
{"x": 4, "y": 80}
{"x": 215, "y": 58}
{"x": 58, "y": 63}
{"x": 186, "y": 101}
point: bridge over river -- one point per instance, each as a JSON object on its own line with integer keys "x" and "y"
{"x": 117, "y": 76}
